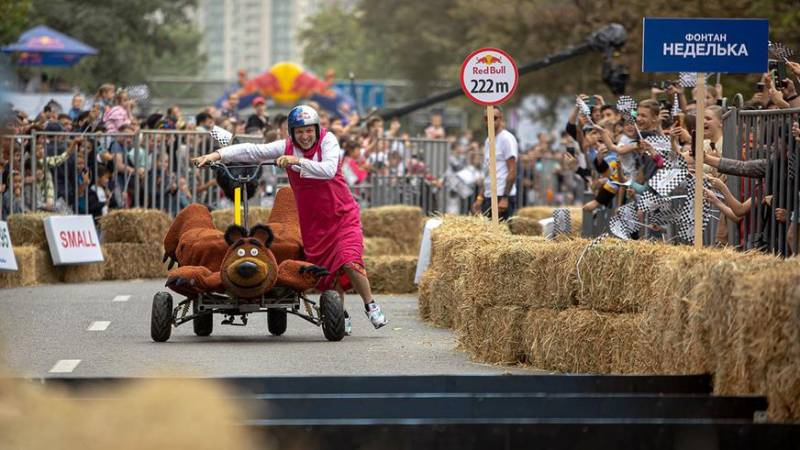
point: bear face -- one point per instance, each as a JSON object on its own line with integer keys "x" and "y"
{"x": 249, "y": 268}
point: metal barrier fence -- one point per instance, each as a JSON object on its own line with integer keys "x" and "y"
{"x": 88, "y": 173}
{"x": 763, "y": 138}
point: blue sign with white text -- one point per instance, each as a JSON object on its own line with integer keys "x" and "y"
{"x": 705, "y": 45}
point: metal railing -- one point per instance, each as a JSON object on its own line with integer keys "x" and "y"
{"x": 764, "y": 138}
{"x": 87, "y": 173}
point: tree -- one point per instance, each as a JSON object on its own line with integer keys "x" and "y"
{"x": 334, "y": 39}
{"x": 425, "y": 41}
{"x": 134, "y": 39}
{"x": 13, "y": 19}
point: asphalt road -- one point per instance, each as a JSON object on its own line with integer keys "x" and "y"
{"x": 103, "y": 329}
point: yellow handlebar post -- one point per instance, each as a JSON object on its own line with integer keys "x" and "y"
{"x": 237, "y": 206}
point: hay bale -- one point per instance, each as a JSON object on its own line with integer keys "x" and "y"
{"x": 454, "y": 250}
{"x": 765, "y": 339}
{"x": 381, "y": 246}
{"x": 533, "y": 273}
{"x": 543, "y": 212}
{"x": 28, "y": 229}
{"x": 35, "y": 267}
{"x": 524, "y": 226}
{"x": 618, "y": 276}
{"x": 401, "y": 223}
{"x": 134, "y": 225}
{"x": 584, "y": 341}
{"x": 393, "y": 274}
{"x": 127, "y": 260}
{"x": 83, "y": 273}
{"x": 223, "y": 218}
{"x": 683, "y": 278}
{"x": 536, "y": 212}
{"x": 494, "y": 334}
{"x": 140, "y": 414}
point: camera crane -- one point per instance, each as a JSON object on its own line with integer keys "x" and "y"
{"x": 607, "y": 39}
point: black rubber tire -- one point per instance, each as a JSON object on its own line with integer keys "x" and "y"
{"x": 161, "y": 317}
{"x": 332, "y": 315}
{"x": 203, "y": 325}
{"x": 276, "y": 321}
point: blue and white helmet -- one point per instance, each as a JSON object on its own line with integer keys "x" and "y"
{"x": 301, "y": 116}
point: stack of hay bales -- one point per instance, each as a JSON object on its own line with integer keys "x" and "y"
{"x": 619, "y": 307}
{"x": 223, "y": 218}
{"x": 34, "y": 267}
{"x": 133, "y": 243}
{"x": 31, "y": 252}
{"x": 391, "y": 244}
{"x": 28, "y": 230}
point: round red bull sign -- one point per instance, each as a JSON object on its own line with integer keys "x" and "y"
{"x": 489, "y": 76}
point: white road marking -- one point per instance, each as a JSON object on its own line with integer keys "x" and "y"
{"x": 65, "y": 366}
{"x": 121, "y": 298}
{"x": 99, "y": 325}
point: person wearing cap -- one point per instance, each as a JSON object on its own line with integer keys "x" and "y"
{"x": 330, "y": 220}
{"x": 258, "y": 120}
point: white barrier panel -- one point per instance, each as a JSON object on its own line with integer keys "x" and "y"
{"x": 425, "y": 249}
{"x": 7, "y": 260}
{"x": 548, "y": 227}
{"x": 72, "y": 240}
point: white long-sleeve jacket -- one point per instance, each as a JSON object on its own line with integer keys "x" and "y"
{"x": 322, "y": 169}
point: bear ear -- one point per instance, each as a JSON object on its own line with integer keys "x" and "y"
{"x": 234, "y": 233}
{"x": 263, "y": 233}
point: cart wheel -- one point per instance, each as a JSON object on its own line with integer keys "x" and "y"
{"x": 332, "y": 312}
{"x": 161, "y": 317}
{"x": 276, "y": 321}
{"x": 203, "y": 325}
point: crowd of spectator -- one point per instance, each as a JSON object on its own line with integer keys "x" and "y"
{"x": 602, "y": 159}
{"x": 613, "y": 155}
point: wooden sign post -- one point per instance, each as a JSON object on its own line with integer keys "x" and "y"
{"x": 489, "y": 77}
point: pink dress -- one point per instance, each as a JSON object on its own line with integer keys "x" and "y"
{"x": 330, "y": 220}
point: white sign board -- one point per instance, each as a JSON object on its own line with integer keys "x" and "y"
{"x": 489, "y": 76}
{"x": 72, "y": 239}
{"x": 7, "y": 260}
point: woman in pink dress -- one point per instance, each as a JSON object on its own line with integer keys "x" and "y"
{"x": 330, "y": 220}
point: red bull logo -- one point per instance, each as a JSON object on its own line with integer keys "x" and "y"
{"x": 286, "y": 83}
{"x": 493, "y": 65}
{"x": 489, "y": 60}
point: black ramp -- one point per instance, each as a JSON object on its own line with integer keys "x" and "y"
{"x": 321, "y": 407}
{"x": 654, "y": 435}
{"x": 633, "y": 384}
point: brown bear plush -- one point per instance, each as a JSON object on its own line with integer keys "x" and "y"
{"x": 243, "y": 263}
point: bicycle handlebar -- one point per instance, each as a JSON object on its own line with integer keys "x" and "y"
{"x": 240, "y": 178}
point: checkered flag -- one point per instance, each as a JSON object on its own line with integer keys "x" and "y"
{"x": 222, "y": 136}
{"x": 626, "y": 104}
{"x": 687, "y": 79}
{"x": 562, "y": 222}
{"x": 139, "y": 92}
{"x": 780, "y": 51}
{"x": 665, "y": 181}
{"x": 660, "y": 143}
{"x": 624, "y": 222}
{"x": 685, "y": 216}
{"x": 584, "y": 109}
{"x": 650, "y": 202}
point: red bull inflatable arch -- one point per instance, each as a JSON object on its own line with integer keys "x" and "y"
{"x": 287, "y": 83}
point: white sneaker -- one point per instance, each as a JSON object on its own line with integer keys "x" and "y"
{"x": 376, "y": 316}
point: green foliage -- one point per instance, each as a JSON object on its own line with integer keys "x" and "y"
{"x": 13, "y": 19}
{"x": 425, "y": 41}
{"x": 134, "y": 39}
